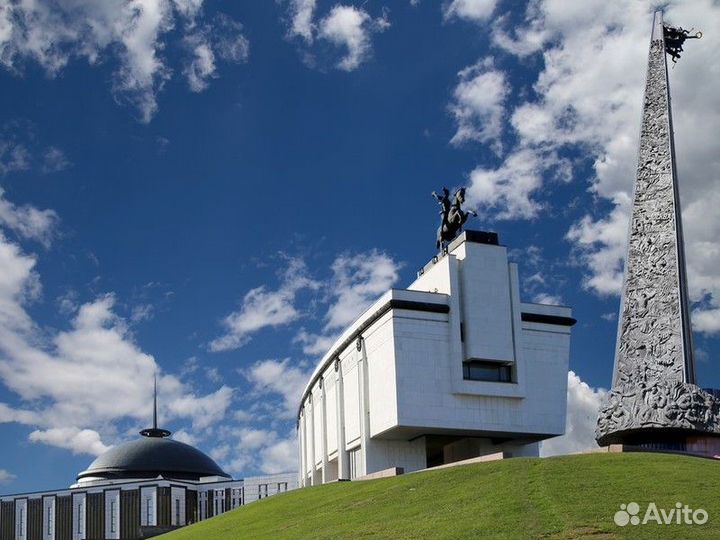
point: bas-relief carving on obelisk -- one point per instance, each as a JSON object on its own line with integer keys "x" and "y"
{"x": 654, "y": 388}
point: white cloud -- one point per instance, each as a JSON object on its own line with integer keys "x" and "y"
{"x": 28, "y": 221}
{"x": 224, "y": 40}
{"x": 79, "y": 441}
{"x": 587, "y": 100}
{"x": 279, "y": 377}
{"x": 14, "y": 156}
{"x": 52, "y": 34}
{"x": 582, "y": 411}
{"x": 351, "y": 27}
{"x": 548, "y": 299}
{"x": 472, "y": 10}
{"x": 6, "y": 477}
{"x": 203, "y": 410}
{"x": 508, "y": 190}
{"x": 184, "y": 436}
{"x": 478, "y": 104}
{"x": 45, "y": 369}
{"x": 201, "y": 68}
{"x": 139, "y": 313}
{"x": 302, "y": 12}
{"x": 262, "y": 308}
{"x": 601, "y": 244}
{"x": 280, "y": 456}
{"x": 54, "y": 160}
{"x": 358, "y": 280}
{"x": 706, "y": 321}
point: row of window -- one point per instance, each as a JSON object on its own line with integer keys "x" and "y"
{"x": 148, "y": 517}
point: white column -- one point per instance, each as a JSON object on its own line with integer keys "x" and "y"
{"x": 323, "y": 434}
{"x": 312, "y": 439}
{"x": 343, "y": 465}
{"x": 301, "y": 443}
{"x": 365, "y": 407}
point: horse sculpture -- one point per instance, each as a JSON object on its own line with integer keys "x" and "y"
{"x": 453, "y": 217}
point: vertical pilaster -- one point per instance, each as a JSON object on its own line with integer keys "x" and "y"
{"x": 312, "y": 439}
{"x": 343, "y": 458}
{"x": 364, "y": 403}
{"x": 323, "y": 433}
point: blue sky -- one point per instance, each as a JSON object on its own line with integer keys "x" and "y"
{"x": 214, "y": 189}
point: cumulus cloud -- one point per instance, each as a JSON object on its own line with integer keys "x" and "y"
{"x": 27, "y": 221}
{"x": 279, "y": 377}
{"x": 478, "y": 104}
{"x": 357, "y": 281}
{"x": 472, "y": 10}
{"x": 262, "y": 308}
{"x": 90, "y": 376}
{"x": 79, "y": 441}
{"x": 345, "y": 26}
{"x": 6, "y": 477}
{"x": 221, "y": 40}
{"x": 582, "y": 411}
{"x": 578, "y": 104}
{"x": 52, "y": 34}
{"x": 351, "y": 27}
{"x": 301, "y": 14}
{"x": 280, "y": 456}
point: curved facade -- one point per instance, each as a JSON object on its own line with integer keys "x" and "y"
{"x": 451, "y": 368}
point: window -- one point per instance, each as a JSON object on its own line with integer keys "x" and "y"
{"x": 79, "y": 518}
{"x": 21, "y": 525}
{"x": 48, "y": 524}
{"x": 478, "y": 370}
{"x": 263, "y": 491}
{"x": 177, "y": 511}
{"x": 112, "y": 517}
{"x": 282, "y": 486}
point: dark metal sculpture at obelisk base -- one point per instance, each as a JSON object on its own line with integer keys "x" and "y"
{"x": 654, "y": 401}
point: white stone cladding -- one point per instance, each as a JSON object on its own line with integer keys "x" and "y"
{"x": 112, "y": 514}
{"x": 392, "y": 387}
{"x": 48, "y": 518}
{"x": 21, "y": 508}
{"x": 78, "y": 516}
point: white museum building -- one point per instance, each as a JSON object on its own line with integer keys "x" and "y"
{"x": 454, "y": 367}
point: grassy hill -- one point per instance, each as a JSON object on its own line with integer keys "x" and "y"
{"x": 561, "y": 497}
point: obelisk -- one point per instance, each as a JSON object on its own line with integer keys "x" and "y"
{"x": 654, "y": 400}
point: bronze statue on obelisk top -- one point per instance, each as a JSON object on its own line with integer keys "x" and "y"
{"x": 654, "y": 401}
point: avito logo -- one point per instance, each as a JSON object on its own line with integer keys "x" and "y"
{"x": 682, "y": 514}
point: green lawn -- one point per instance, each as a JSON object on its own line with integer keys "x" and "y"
{"x": 561, "y": 497}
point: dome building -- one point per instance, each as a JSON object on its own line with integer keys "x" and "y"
{"x": 135, "y": 490}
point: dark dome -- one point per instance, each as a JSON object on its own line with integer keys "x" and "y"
{"x": 150, "y": 457}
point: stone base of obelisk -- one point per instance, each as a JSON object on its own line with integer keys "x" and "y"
{"x": 704, "y": 446}
{"x": 664, "y": 415}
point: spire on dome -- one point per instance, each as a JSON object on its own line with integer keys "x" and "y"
{"x": 154, "y": 431}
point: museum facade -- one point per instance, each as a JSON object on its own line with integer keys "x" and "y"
{"x": 135, "y": 490}
{"x": 454, "y": 367}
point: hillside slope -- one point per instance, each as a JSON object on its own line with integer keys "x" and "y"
{"x": 561, "y": 497}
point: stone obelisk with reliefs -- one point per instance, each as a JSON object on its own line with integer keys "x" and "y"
{"x": 654, "y": 400}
